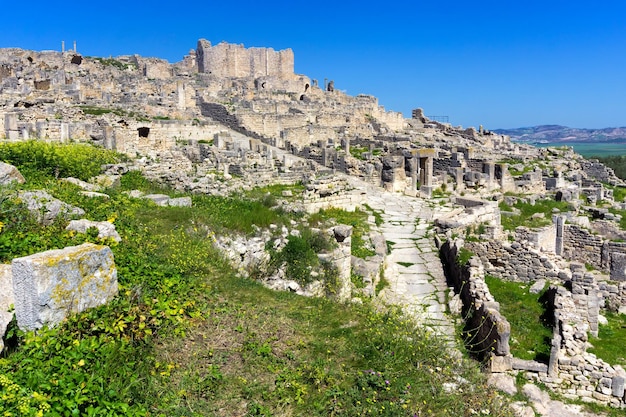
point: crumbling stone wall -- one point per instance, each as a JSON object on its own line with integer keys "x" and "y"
{"x": 516, "y": 262}
{"x": 230, "y": 60}
{"x": 576, "y": 373}
{"x": 491, "y": 329}
{"x": 581, "y": 245}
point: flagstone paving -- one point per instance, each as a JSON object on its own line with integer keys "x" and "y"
{"x": 413, "y": 268}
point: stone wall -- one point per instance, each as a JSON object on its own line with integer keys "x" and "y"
{"x": 516, "y": 262}
{"x": 576, "y": 373}
{"x": 490, "y": 330}
{"x": 230, "y": 60}
{"x": 583, "y": 246}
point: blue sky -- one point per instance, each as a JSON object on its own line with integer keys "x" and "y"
{"x": 502, "y": 64}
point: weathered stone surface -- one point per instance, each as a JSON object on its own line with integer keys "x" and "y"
{"x": 179, "y": 202}
{"x": 9, "y": 174}
{"x": 500, "y": 363}
{"x": 82, "y": 184}
{"x": 618, "y": 386}
{"x": 47, "y": 208}
{"x": 159, "y": 199}
{"x": 503, "y": 382}
{"x": 342, "y": 232}
{"x": 525, "y": 365}
{"x": 50, "y": 285}
{"x": 7, "y": 300}
{"x": 105, "y": 229}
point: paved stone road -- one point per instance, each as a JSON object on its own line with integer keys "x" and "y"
{"x": 413, "y": 269}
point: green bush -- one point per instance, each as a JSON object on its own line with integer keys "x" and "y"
{"x": 37, "y": 160}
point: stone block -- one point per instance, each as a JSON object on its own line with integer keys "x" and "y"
{"x": 180, "y": 202}
{"x": 500, "y": 363}
{"x": 617, "y": 386}
{"x": 7, "y": 300}
{"x": 47, "y": 208}
{"x": 105, "y": 229}
{"x": 618, "y": 266}
{"x": 159, "y": 199}
{"x": 50, "y": 285}
{"x": 532, "y": 366}
{"x": 9, "y": 174}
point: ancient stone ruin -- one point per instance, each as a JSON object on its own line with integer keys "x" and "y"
{"x": 228, "y": 118}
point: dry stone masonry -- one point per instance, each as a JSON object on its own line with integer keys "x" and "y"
{"x": 228, "y": 118}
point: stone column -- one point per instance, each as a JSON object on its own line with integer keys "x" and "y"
{"x": 414, "y": 164}
{"x": 65, "y": 132}
{"x": 325, "y": 156}
{"x": 180, "y": 90}
{"x": 490, "y": 169}
{"x": 10, "y": 126}
{"x": 560, "y": 231}
{"x": 109, "y": 138}
{"x": 426, "y": 156}
{"x": 347, "y": 145}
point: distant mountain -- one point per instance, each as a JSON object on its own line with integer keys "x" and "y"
{"x": 556, "y": 134}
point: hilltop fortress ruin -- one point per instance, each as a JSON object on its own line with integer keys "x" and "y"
{"x": 241, "y": 114}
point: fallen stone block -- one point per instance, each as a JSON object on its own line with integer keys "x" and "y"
{"x": 47, "y": 208}
{"x": 179, "y": 202}
{"x": 105, "y": 229}
{"x": 82, "y": 184}
{"x": 7, "y": 300}
{"x": 9, "y": 174}
{"x": 158, "y": 199}
{"x": 524, "y": 365}
{"x": 50, "y": 285}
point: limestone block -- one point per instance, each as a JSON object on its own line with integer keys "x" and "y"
{"x": 159, "y": 199}
{"x": 7, "y": 300}
{"x": 106, "y": 180}
{"x": 47, "y": 208}
{"x": 500, "y": 363}
{"x": 105, "y": 229}
{"x": 9, "y": 174}
{"x": 180, "y": 202}
{"x": 82, "y": 184}
{"x": 50, "y": 285}
{"x": 94, "y": 194}
{"x": 617, "y": 386}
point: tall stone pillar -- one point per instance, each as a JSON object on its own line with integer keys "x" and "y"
{"x": 180, "y": 90}
{"x": 414, "y": 164}
{"x": 65, "y": 132}
{"x": 426, "y": 157}
{"x": 560, "y": 231}
{"x": 10, "y": 126}
{"x": 109, "y": 138}
{"x": 489, "y": 168}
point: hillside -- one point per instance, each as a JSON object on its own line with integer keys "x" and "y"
{"x": 283, "y": 248}
{"x": 555, "y": 134}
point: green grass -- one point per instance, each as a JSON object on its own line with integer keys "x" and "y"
{"x": 187, "y": 336}
{"x": 527, "y": 210}
{"x": 360, "y": 227}
{"x": 525, "y": 312}
{"x": 609, "y": 345}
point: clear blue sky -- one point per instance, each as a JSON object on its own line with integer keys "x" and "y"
{"x": 502, "y": 64}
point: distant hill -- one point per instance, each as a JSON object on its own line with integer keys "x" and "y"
{"x": 556, "y": 134}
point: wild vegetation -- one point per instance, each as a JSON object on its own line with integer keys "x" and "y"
{"x": 188, "y": 336}
{"x": 530, "y": 215}
{"x": 531, "y": 331}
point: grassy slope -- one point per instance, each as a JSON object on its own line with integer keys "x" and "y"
{"x": 188, "y": 336}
